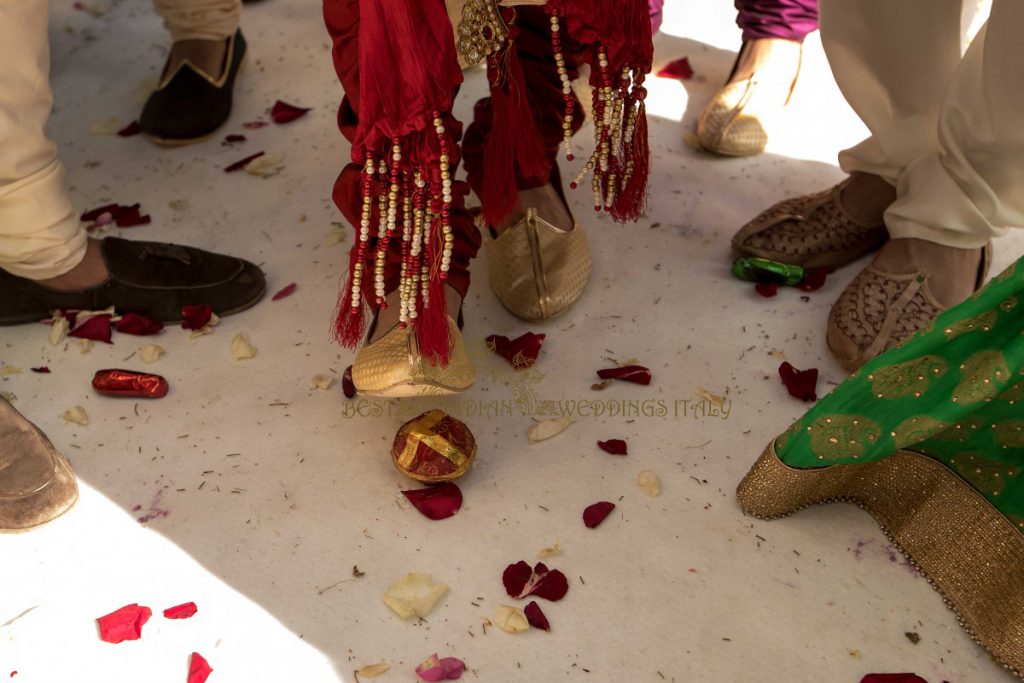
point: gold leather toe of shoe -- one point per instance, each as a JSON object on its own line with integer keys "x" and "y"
{"x": 538, "y": 270}
{"x": 392, "y": 366}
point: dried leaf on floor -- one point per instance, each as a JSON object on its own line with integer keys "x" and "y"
{"x": 77, "y": 415}
{"x": 510, "y": 619}
{"x": 414, "y": 595}
{"x": 241, "y": 349}
{"x": 648, "y": 483}
{"x": 546, "y": 429}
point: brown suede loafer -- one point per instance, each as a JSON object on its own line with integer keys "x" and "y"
{"x": 36, "y": 484}
{"x": 148, "y": 278}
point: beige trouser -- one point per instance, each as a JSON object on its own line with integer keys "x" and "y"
{"x": 40, "y": 235}
{"x": 946, "y": 130}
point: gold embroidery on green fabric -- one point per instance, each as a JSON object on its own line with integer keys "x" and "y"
{"x": 911, "y": 378}
{"x": 916, "y": 429}
{"x": 794, "y": 429}
{"x": 961, "y": 431}
{"x": 1013, "y": 394}
{"x": 842, "y": 436}
{"x": 1008, "y": 273}
{"x": 1008, "y": 305}
{"x": 983, "y": 322}
{"x": 1009, "y": 433}
{"x": 988, "y": 477}
{"x": 981, "y": 377}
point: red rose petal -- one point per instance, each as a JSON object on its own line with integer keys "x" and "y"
{"x": 521, "y": 352}
{"x": 892, "y": 678}
{"x": 242, "y": 163}
{"x": 198, "y": 669}
{"x": 195, "y": 316}
{"x": 182, "y": 611}
{"x": 42, "y": 369}
{"x": 233, "y": 138}
{"x": 535, "y": 616}
{"x": 286, "y": 291}
{"x": 515, "y": 577}
{"x": 637, "y": 374}
{"x": 130, "y": 216}
{"x": 613, "y": 446}
{"x": 348, "y": 387}
{"x": 436, "y": 502}
{"x": 596, "y": 513}
{"x": 814, "y": 279}
{"x": 253, "y": 125}
{"x": 123, "y": 624}
{"x": 767, "y": 289}
{"x": 283, "y": 112}
{"x": 131, "y": 129}
{"x": 96, "y": 328}
{"x": 133, "y": 323}
{"x": 801, "y": 384}
{"x": 92, "y": 214}
{"x": 679, "y": 68}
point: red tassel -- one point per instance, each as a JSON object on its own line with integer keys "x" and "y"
{"x": 531, "y": 158}
{"x": 632, "y": 201}
{"x": 349, "y": 322}
{"x": 432, "y": 323}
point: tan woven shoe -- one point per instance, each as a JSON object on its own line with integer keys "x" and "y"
{"x": 879, "y": 310}
{"x": 36, "y": 484}
{"x": 812, "y": 231}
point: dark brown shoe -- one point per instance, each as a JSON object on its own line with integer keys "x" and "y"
{"x": 149, "y": 278}
{"x": 36, "y": 484}
{"x": 189, "y": 106}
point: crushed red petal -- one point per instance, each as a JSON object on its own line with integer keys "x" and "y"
{"x": 348, "y": 387}
{"x": 679, "y": 68}
{"x": 92, "y": 214}
{"x": 133, "y": 323}
{"x": 195, "y": 316}
{"x": 535, "y": 616}
{"x": 287, "y": 290}
{"x": 242, "y": 163}
{"x": 613, "y": 446}
{"x": 183, "y": 611}
{"x": 767, "y": 289}
{"x": 520, "y": 581}
{"x": 521, "y": 352}
{"x": 42, "y": 370}
{"x": 233, "y": 138}
{"x": 198, "y": 669}
{"x": 123, "y": 624}
{"x": 131, "y": 129}
{"x": 892, "y": 678}
{"x": 436, "y": 502}
{"x": 96, "y": 328}
{"x": 813, "y": 279}
{"x": 283, "y": 112}
{"x": 594, "y": 514}
{"x": 253, "y": 125}
{"x": 801, "y": 384}
{"x": 126, "y": 216}
{"x": 637, "y": 374}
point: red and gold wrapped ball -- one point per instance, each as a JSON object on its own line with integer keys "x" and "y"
{"x": 434, "y": 447}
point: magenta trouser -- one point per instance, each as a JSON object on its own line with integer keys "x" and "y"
{"x": 786, "y": 19}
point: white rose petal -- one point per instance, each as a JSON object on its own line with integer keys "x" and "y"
{"x": 60, "y": 328}
{"x": 648, "y": 483}
{"x": 373, "y": 670}
{"x": 241, "y": 349}
{"x": 550, "y": 551}
{"x": 414, "y": 595}
{"x": 151, "y": 353}
{"x": 510, "y": 619}
{"x": 106, "y": 127}
{"x": 77, "y": 415}
{"x": 545, "y": 429}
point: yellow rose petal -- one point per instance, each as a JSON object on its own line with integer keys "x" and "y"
{"x": 510, "y": 619}
{"x": 241, "y": 349}
{"x": 546, "y": 429}
{"x": 151, "y": 353}
{"x": 322, "y": 382}
{"x": 373, "y": 670}
{"x": 550, "y": 551}
{"x": 414, "y": 595}
{"x": 648, "y": 483}
{"x": 77, "y": 415}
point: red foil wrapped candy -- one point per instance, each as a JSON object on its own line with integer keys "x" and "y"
{"x": 128, "y": 383}
{"x": 434, "y": 447}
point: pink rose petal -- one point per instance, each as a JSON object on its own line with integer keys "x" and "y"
{"x": 613, "y": 446}
{"x": 679, "y": 68}
{"x": 183, "y": 611}
{"x": 433, "y": 669}
{"x": 123, "y": 624}
{"x": 596, "y": 513}
{"x": 198, "y": 669}
{"x": 436, "y": 502}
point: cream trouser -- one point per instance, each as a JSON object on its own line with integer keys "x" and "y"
{"x": 946, "y": 130}
{"x": 40, "y": 235}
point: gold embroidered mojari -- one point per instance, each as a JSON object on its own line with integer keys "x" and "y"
{"x": 392, "y": 366}
{"x": 537, "y": 269}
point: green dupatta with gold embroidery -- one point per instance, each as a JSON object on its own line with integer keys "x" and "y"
{"x": 929, "y": 438}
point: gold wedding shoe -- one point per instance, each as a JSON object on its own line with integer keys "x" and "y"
{"x": 392, "y": 366}
{"x": 537, "y": 269}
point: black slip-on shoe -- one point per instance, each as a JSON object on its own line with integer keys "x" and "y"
{"x": 188, "y": 106}
{"x": 149, "y": 278}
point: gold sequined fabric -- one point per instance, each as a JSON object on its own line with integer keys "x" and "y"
{"x": 813, "y": 231}
{"x": 537, "y": 270}
{"x": 970, "y": 553}
{"x": 392, "y": 366}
